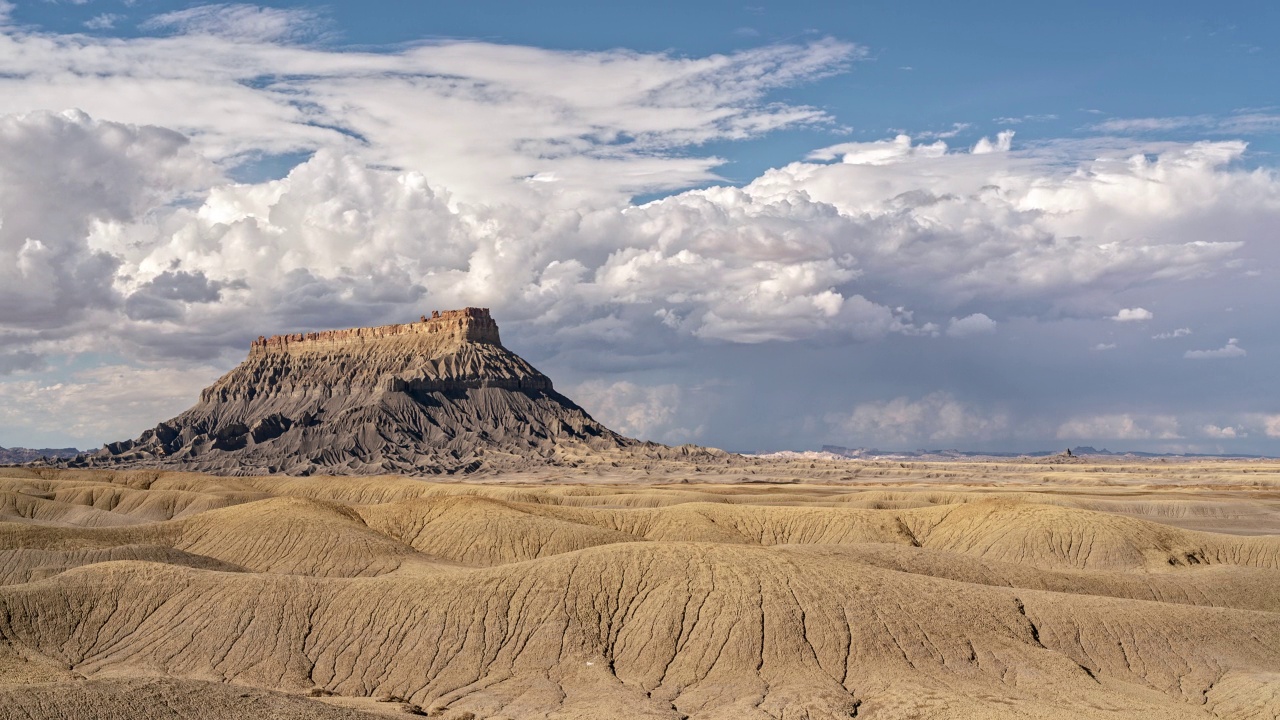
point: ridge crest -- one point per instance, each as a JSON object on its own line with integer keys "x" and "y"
{"x": 469, "y": 324}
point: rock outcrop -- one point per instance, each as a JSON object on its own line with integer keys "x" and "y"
{"x": 441, "y": 395}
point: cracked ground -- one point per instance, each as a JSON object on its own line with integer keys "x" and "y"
{"x": 782, "y": 590}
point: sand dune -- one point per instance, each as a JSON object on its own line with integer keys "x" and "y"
{"x": 952, "y": 597}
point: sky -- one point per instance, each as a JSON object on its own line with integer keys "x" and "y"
{"x": 758, "y": 226}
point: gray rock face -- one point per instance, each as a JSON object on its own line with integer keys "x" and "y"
{"x": 437, "y": 396}
{"x": 19, "y": 455}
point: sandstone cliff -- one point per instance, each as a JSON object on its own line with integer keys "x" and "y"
{"x": 441, "y": 395}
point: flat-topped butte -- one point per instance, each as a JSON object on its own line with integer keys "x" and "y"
{"x": 440, "y": 395}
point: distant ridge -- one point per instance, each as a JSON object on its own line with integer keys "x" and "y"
{"x": 441, "y": 395}
{"x": 19, "y": 455}
{"x": 1078, "y": 451}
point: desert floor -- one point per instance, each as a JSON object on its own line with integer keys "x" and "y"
{"x": 770, "y": 589}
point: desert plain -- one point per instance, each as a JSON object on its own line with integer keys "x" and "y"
{"x": 664, "y": 588}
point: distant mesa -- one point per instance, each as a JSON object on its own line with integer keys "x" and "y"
{"x": 20, "y": 455}
{"x": 441, "y": 395}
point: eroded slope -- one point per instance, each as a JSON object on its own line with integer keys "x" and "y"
{"x": 673, "y": 602}
{"x": 437, "y": 396}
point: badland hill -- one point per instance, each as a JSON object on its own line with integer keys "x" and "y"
{"x": 957, "y": 591}
{"x": 441, "y": 395}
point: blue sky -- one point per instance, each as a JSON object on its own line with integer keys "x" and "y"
{"x": 1060, "y": 68}
{"x": 759, "y": 226}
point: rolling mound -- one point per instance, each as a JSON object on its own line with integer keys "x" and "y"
{"x": 345, "y": 598}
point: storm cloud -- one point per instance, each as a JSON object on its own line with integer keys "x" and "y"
{"x": 897, "y": 291}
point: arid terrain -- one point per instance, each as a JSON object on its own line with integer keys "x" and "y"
{"x": 768, "y": 589}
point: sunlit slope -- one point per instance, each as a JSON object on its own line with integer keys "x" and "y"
{"x": 323, "y": 595}
{"x": 161, "y": 699}
{"x": 700, "y": 629}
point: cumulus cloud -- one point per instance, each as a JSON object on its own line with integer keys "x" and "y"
{"x": 1231, "y": 350}
{"x": 1133, "y": 315}
{"x": 503, "y": 175}
{"x": 647, "y": 412}
{"x": 336, "y": 230}
{"x": 61, "y": 177}
{"x": 1002, "y": 143}
{"x": 975, "y": 324}
{"x": 167, "y": 295}
{"x": 798, "y": 253}
{"x": 1122, "y": 426}
{"x": 794, "y": 255}
{"x": 1009, "y": 226}
{"x": 1271, "y": 425}
{"x": 760, "y": 263}
{"x": 1180, "y": 332}
{"x": 937, "y": 417}
{"x": 110, "y": 401}
{"x": 1225, "y": 432}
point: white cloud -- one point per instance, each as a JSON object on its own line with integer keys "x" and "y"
{"x": 795, "y": 254}
{"x": 1244, "y": 122}
{"x": 937, "y": 417}
{"x": 956, "y": 129}
{"x": 1150, "y": 124}
{"x": 1271, "y": 425}
{"x": 1103, "y": 347}
{"x": 1025, "y": 118}
{"x": 242, "y": 22}
{"x": 104, "y": 21}
{"x": 477, "y": 115}
{"x": 1231, "y": 350}
{"x": 336, "y": 230}
{"x": 1133, "y": 315}
{"x": 1266, "y": 424}
{"x": 975, "y": 324}
{"x": 879, "y": 152}
{"x": 1123, "y": 426}
{"x": 1003, "y": 143}
{"x": 458, "y": 173}
{"x": 648, "y": 412}
{"x": 1180, "y": 332}
{"x": 62, "y": 176}
{"x": 1225, "y": 432}
{"x": 111, "y": 401}
{"x": 1005, "y": 225}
